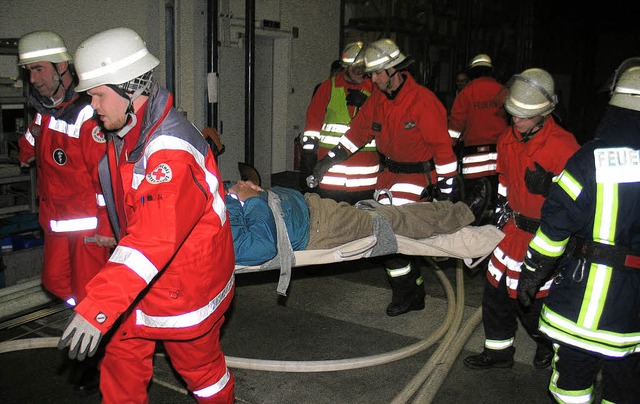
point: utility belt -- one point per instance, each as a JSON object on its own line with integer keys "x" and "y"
{"x": 528, "y": 224}
{"x": 408, "y": 168}
{"x": 610, "y": 255}
{"x": 479, "y": 149}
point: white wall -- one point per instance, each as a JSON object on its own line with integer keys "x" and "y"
{"x": 311, "y": 53}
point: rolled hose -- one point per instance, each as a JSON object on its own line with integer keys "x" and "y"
{"x": 453, "y": 316}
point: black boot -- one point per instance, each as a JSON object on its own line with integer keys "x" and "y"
{"x": 543, "y": 356}
{"x": 490, "y": 358}
{"x": 408, "y": 291}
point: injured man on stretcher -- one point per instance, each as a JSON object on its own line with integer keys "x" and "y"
{"x": 315, "y": 223}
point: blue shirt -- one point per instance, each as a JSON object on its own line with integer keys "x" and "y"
{"x": 254, "y": 228}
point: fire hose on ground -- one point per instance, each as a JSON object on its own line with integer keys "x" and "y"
{"x": 424, "y": 385}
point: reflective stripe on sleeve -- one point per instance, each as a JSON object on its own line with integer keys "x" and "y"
{"x": 80, "y": 224}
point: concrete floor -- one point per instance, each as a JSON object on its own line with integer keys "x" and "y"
{"x": 333, "y": 315}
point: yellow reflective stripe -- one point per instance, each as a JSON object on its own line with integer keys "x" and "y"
{"x": 545, "y": 246}
{"x": 569, "y": 184}
{"x": 608, "y": 343}
{"x": 593, "y": 302}
{"x": 396, "y": 272}
{"x": 604, "y": 228}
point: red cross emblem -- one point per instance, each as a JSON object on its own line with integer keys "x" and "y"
{"x": 162, "y": 173}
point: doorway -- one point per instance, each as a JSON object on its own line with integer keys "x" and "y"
{"x": 271, "y": 90}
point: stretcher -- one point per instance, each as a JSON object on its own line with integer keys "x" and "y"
{"x": 471, "y": 244}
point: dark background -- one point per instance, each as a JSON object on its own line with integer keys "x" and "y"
{"x": 580, "y": 45}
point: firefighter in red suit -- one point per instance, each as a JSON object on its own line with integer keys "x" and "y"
{"x": 476, "y": 121}
{"x": 409, "y": 125}
{"x": 170, "y": 278}
{"x": 335, "y": 103}
{"x": 66, "y": 144}
{"x": 530, "y": 154}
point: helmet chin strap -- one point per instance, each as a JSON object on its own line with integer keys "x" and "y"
{"x": 55, "y": 103}
{"x": 130, "y": 114}
{"x": 526, "y": 136}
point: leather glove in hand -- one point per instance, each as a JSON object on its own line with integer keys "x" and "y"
{"x": 535, "y": 269}
{"x": 538, "y": 181}
{"x": 337, "y": 155}
{"x": 356, "y": 97}
{"x": 81, "y": 337}
{"x": 448, "y": 189}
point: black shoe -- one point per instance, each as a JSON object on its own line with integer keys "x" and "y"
{"x": 395, "y": 308}
{"x": 485, "y": 360}
{"x": 542, "y": 358}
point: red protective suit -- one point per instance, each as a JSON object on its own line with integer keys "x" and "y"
{"x": 551, "y": 147}
{"x": 171, "y": 276}
{"x": 410, "y": 128}
{"x": 328, "y": 117}
{"x": 478, "y": 118}
{"x": 67, "y": 145}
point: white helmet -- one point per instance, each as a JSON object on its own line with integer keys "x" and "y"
{"x": 531, "y": 94}
{"x": 383, "y": 54}
{"x": 350, "y": 53}
{"x": 626, "y": 85}
{"x": 42, "y": 46}
{"x": 114, "y": 56}
{"x": 480, "y": 60}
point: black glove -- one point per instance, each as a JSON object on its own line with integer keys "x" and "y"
{"x": 308, "y": 158}
{"x": 448, "y": 188}
{"x": 81, "y": 337}
{"x": 337, "y": 155}
{"x": 538, "y": 181}
{"x": 356, "y": 97}
{"x": 535, "y": 269}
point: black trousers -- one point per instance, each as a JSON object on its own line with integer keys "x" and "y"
{"x": 575, "y": 371}
{"x": 500, "y": 315}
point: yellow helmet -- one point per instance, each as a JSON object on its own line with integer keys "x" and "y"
{"x": 383, "y": 54}
{"x": 350, "y": 53}
{"x": 531, "y": 93}
{"x": 480, "y": 60}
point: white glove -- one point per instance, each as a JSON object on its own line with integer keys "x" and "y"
{"x": 81, "y": 337}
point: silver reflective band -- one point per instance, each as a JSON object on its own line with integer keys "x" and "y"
{"x": 114, "y": 67}
{"x": 626, "y": 90}
{"x": 43, "y": 52}
{"x": 214, "y": 388}
{"x": 86, "y": 223}
{"x": 528, "y": 106}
